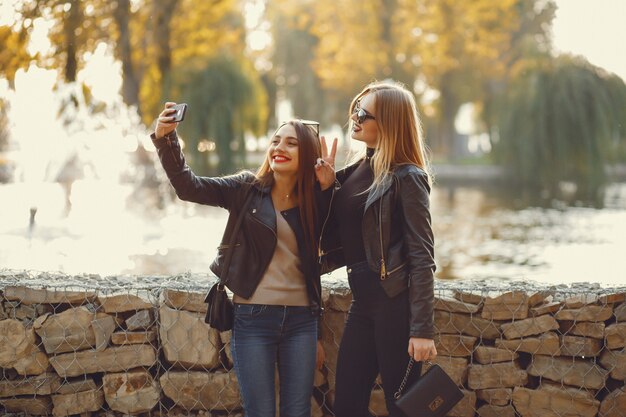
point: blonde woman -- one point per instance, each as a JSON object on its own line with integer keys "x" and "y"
{"x": 382, "y": 232}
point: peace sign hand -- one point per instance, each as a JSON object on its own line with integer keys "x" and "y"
{"x": 325, "y": 166}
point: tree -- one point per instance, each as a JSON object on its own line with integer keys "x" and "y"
{"x": 530, "y": 44}
{"x": 77, "y": 29}
{"x": 293, "y": 58}
{"x": 163, "y": 12}
{"x": 5, "y": 173}
{"x": 456, "y": 47}
{"x": 4, "y": 121}
{"x": 560, "y": 121}
{"x": 227, "y": 100}
{"x": 122, "y": 16}
{"x": 451, "y": 47}
{"x": 350, "y": 51}
{"x": 184, "y": 37}
{"x": 13, "y": 53}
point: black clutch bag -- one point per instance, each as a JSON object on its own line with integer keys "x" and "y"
{"x": 220, "y": 310}
{"x": 433, "y": 395}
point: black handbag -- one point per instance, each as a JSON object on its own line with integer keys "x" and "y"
{"x": 433, "y": 395}
{"x": 220, "y": 310}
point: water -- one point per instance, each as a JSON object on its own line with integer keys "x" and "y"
{"x": 108, "y": 220}
{"x": 485, "y": 233}
{"x": 480, "y": 233}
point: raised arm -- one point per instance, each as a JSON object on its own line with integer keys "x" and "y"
{"x": 213, "y": 191}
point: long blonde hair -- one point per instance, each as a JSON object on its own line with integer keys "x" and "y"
{"x": 400, "y": 137}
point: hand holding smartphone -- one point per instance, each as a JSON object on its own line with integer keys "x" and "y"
{"x": 179, "y": 114}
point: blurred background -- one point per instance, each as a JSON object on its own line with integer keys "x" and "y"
{"x": 523, "y": 105}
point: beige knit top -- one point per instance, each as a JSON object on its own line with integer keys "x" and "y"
{"x": 283, "y": 282}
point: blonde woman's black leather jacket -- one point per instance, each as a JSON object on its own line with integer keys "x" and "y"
{"x": 257, "y": 237}
{"x": 398, "y": 241}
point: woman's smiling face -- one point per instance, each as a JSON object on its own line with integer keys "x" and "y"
{"x": 282, "y": 153}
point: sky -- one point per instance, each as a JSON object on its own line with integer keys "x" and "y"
{"x": 595, "y": 29}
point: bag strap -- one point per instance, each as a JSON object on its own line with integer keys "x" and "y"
{"x": 233, "y": 237}
{"x": 406, "y": 378}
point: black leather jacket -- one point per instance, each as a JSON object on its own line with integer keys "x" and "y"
{"x": 398, "y": 240}
{"x": 256, "y": 239}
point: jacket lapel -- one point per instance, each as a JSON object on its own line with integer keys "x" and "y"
{"x": 376, "y": 193}
{"x": 263, "y": 209}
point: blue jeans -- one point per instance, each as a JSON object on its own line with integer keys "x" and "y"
{"x": 266, "y": 335}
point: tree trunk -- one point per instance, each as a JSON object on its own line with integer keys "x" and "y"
{"x": 163, "y": 11}
{"x": 70, "y": 26}
{"x": 130, "y": 82}
{"x": 387, "y": 12}
{"x": 224, "y": 136}
{"x": 448, "y": 109}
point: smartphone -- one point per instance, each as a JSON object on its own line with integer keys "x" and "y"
{"x": 179, "y": 114}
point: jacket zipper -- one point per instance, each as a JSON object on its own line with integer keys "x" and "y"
{"x": 384, "y": 274}
{"x": 270, "y": 229}
{"x": 383, "y": 268}
{"x": 228, "y": 246}
{"x": 275, "y": 237}
{"x": 396, "y": 268}
{"x": 320, "y": 252}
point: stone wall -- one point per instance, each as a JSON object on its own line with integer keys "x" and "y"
{"x": 145, "y": 350}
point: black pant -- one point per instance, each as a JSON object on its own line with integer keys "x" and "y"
{"x": 375, "y": 339}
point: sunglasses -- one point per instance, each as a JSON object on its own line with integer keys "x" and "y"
{"x": 312, "y": 124}
{"x": 315, "y": 126}
{"x": 361, "y": 114}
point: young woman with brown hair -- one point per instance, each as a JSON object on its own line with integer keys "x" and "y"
{"x": 273, "y": 272}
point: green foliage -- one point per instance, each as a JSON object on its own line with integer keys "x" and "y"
{"x": 293, "y": 63}
{"x": 193, "y": 33}
{"x": 324, "y": 51}
{"x": 225, "y": 100}
{"x": 560, "y": 121}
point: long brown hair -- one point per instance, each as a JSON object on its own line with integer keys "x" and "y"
{"x": 400, "y": 137}
{"x": 309, "y": 149}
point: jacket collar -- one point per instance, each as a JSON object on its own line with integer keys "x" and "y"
{"x": 376, "y": 193}
{"x": 265, "y": 189}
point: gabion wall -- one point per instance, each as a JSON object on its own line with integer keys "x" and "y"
{"x": 139, "y": 346}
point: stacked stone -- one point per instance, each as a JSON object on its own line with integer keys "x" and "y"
{"x": 76, "y": 351}
{"x": 512, "y": 354}
{"x": 525, "y": 354}
{"x": 336, "y": 305}
{"x": 197, "y": 362}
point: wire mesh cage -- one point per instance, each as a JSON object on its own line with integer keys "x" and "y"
{"x": 85, "y": 345}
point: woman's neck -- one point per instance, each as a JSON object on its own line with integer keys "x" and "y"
{"x": 283, "y": 190}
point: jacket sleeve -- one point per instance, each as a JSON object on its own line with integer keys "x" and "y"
{"x": 189, "y": 186}
{"x": 323, "y": 200}
{"x": 414, "y": 197}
